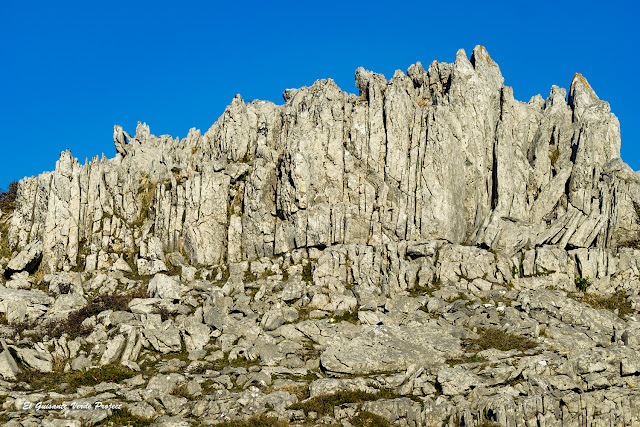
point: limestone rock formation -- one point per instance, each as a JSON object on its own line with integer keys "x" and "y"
{"x": 446, "y": 153}
{"x": 430, "y": 251}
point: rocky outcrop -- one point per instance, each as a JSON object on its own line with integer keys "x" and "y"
{"x": 446, "y": 153}
{"x": 400, "y": 331}
{"x": 430, "y": 252}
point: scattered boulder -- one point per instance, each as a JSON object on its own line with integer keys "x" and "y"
{"x": 27, "y": 260}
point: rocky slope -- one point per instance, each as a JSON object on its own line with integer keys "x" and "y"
{"x": 430, "y": 252}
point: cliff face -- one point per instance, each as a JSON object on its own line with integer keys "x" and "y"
{"x": 430, "y": 252}
{"x": 445, "y": 153}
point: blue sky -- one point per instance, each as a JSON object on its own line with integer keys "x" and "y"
{"x": 71, "y": 70}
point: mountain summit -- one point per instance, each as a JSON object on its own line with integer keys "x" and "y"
{"x": 430, "y": 251}
{"x": 446, "y": 153}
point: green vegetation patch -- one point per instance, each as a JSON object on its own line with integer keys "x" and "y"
{"x": 307, "y": 272}
{"x": 582, "y": 283}
{"x": 617, "y": 301}
{"x": 500, "y": 340}
{"x": 466, "y": 359}
{"x": 324, "y": 404}
{"x": 8, "y": 198}
{"x": 75, "y": 379}
{"x": 347, "y": 316}
{"x": 124, "y": 417}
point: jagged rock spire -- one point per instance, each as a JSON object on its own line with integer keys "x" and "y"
{"x": 445, "y": 153}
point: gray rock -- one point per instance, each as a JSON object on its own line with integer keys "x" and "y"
{"x": 8, "y": 366}
{"x": 272, "y": 320}
{"x": 164, "y": 340}
{"x": 266, "y": 179}
{"x": 390, "y": 348}
{"x": 454, "y": 381}
{"x": 329, "y": 386}
{"x": 162, "y": 286}
{"x": 37, "y": 358}
{"x": 113, "y": 350}
{"x": 292, "y": 290}
{"x": 27, "y": 260}
{"x": 165, "y": 384}
{"x": 80, "y": 363}
{"x": 430, "y": 205}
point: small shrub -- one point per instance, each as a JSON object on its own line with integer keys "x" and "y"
{"x": 249, "y": 276}
{"x": 72, "y": 325}
{"x": 182, "y": 392}
{"x": 347, "y": 316}
{"x": 418, "y": 291}
{"x": 146, "y": 195}
{"x": 582, "y": 283}
{"x": 8, "y": 198}
{"x": 633, "y": 244}
{"x": 422, "y": 102}
{"x": 164, "y": 313}
{"x": 300, "y": 391}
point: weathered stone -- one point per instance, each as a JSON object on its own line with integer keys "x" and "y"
{"x": 162, "y": 286}
{"x": 432, "y": 206}
{"x": 113, "y": 350}
{"x": 165, "y": 384}
{"x": 8, "y": 366}
{"x": 390, "y": 348}
{"x": 27, "y": 260}
{"x": 454, "y": 381}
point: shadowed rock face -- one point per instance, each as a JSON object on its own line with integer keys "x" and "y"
{"x": 440, "y": 154}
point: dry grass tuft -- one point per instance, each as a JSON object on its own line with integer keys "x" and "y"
{"x": 617, "y": 301}
{"x": 324, "y": 404}
{"x": 124, "y": 417}
{"x": 500, "y": 340}
{"x": 368, "y": 419}
{"x": 255, "y": 421}
{"x": 90, "y": 377}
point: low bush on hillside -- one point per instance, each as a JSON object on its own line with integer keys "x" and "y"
{"x": 8, "y": 198}
{"x": 582, "y": 283}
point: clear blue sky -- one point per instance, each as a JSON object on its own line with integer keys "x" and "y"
{"x": 71, "y": 70}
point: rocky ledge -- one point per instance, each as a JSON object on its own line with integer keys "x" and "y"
{"x": 431, "y": 252}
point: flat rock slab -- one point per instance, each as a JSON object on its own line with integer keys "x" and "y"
{"x": 390, "y": 348}
{"x": 29, "y": 297}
